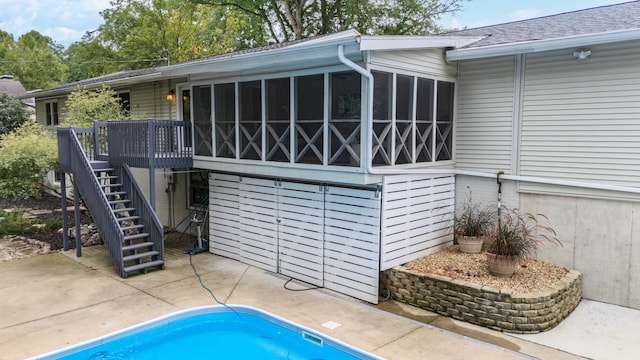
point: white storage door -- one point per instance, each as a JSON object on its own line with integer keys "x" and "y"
{"x": 224, "y": 216}
{"x": 352, "y": 242}
{"x": 258, "y": 227}
{"x": 300, "y": 231}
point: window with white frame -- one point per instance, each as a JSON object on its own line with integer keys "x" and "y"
{"x": 412, "y": 119}
{"x": 51, "y": 112}
{"x": 202, "y": 120}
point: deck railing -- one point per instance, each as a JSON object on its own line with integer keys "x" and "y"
{"x": 150, "y": 143}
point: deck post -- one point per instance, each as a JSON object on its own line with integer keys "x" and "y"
{"x": 76, "y": 204}
{"x": 65, "y": 214}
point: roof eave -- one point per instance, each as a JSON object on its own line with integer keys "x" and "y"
{"x": 414, "y": 42}
{"x": 533, "y": 46}
{"x": 111, "y": 83}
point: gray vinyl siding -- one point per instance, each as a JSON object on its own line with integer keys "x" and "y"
{"x": 581, "y": 121}
{"x": 148, "y": 100}
{"x": 484, "y": 114}
{"x": 429, "y": 61}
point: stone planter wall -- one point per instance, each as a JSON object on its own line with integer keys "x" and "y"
{"x": 486, "y": 306}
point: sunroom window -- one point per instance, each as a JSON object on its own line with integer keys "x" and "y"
{"x": 309, "y": 120}
{"x": 250, "y": 99}
{"x": 225, "y": 114}
{"x": 345, "y": 120}
{"x": 403, "y": 119}
{"x": 278, "y": 119}
{"x": 202, "y": 120}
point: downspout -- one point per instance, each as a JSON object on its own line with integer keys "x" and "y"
{"x": 369, "y": 141}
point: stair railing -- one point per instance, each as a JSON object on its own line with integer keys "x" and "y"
{"x": 148, "y": 217}
{"x": 91, "y": 192}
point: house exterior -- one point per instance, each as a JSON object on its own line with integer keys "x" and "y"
{"x": 333, "y": 158}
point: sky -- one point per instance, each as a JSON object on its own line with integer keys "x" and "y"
{"x": 66, "y": 21}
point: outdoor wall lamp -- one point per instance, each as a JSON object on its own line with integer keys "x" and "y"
{"x": 171, "y": 95}
{"x": 582, "y": 54}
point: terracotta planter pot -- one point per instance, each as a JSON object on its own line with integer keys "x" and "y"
{"x": 500, "y": 265}
{"x": 470, "y": 244}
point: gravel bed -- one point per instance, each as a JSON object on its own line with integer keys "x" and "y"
{"x": 530, "y": 275}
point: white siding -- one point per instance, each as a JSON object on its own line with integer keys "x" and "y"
{"x": 224, "y": 215}
{"x": 484, "y": 114}
{"x": 417, "y": 213}
{"x": 430, "y": 61}
{"x": 581, "y": 121}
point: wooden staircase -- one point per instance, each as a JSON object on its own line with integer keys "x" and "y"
{"x": 137, "y": 251}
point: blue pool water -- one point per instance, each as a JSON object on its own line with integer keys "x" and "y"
{"x": 214, "y": 332}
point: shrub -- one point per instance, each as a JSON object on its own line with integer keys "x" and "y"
{"x": 474, "y": 219}
{"x": 26, "y": 155}
{"x": 85, "y": 106}
{"x": 12, "y": 114}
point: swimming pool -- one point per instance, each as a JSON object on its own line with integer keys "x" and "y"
{"x": 213, "y": 332}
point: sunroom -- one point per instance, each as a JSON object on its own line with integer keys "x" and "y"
{"x": 329, "y": 161}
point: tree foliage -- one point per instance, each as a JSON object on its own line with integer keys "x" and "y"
{"x": 86, "y": 106}
{"x": 146, "y": 33}
{"x": 12, "y": 114}
{"x": 35, "y": 60}
{"x": 26, "y": 155}
{"x": 88, "y": 58}
{"x": 296, "y": 19}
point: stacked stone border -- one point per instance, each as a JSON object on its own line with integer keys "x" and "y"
{"x": 484, "y": 305}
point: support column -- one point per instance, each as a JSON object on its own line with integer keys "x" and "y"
{"x": 65, "y": 214}
{"x": 76, "y": 204}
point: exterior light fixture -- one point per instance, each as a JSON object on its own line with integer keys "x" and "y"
{"x": 171, "y": 95}
{"x": 582, "y": 54}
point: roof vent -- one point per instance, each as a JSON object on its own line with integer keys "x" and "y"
{"x": 6, "y": 77}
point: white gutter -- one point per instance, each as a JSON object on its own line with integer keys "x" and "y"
{"x": 376, "y": 171}
{"x": 543, "y": 45}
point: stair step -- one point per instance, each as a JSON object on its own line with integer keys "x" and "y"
{"x": 132, "y": 227}
{"x": 136, "y": 236}
{"x": 128, "y": 218}
{"x": 140, "y": 255}
{"x": 107, "y": 177}
{"x": 137, "y": 246}
{"x": 121, "y": 201}
{"x": 111, "y": 185}
{"x": 115, "y": 193}
{"x": 123, "y": 210}
{"x": 99, "y": 165}
{"x": 144, "y": 266}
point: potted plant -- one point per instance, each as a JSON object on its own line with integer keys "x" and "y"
{"x": 473, "y": 225}
{"x": 517, "y": 235}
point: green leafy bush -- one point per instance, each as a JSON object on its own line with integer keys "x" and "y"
{"x": 12, "y": 114}
{"x": 26, "y": 155}
{"x": 86, "y": 106}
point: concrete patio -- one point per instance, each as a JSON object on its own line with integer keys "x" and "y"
{"x": 56, "y": 300}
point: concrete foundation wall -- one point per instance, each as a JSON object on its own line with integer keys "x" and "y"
{"x": 600, "y": 239}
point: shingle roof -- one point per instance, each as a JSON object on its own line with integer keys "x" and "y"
{"x": 12, "y": 87}
{"x": 601, "y": 19}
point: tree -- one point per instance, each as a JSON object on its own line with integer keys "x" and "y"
{"x": 6, "y": 41}
{"x": 88, "y": 58}
{"x": 154, "y": 32}
{"x": 12, "y": 114}
{"x": 296, "y": 19}
{"x": 26, "y": 155}
{"x": 86, "y": 106}
{"x": 35, "y": 60}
